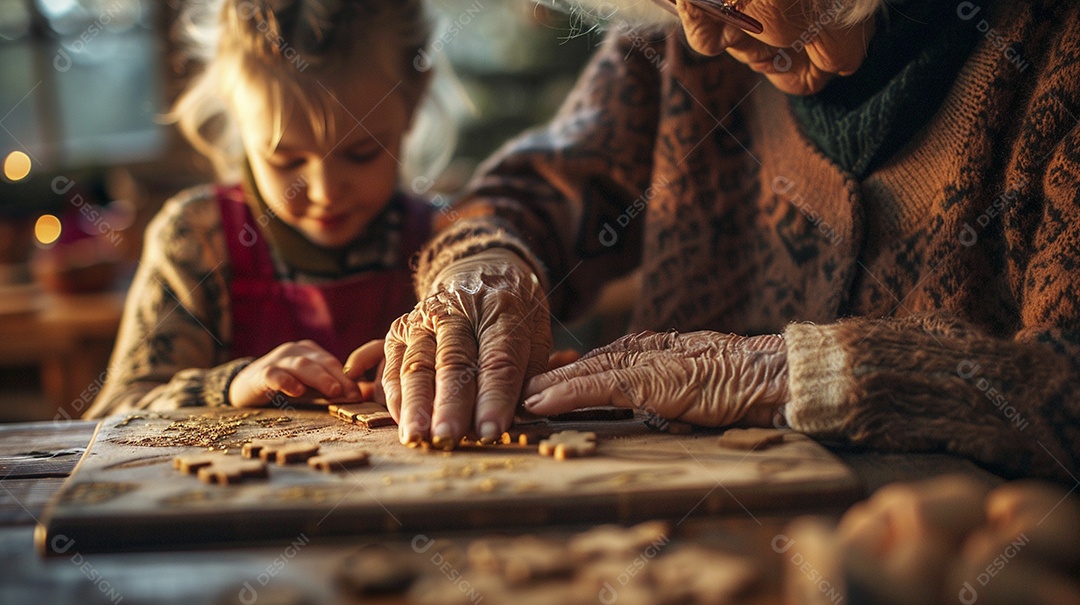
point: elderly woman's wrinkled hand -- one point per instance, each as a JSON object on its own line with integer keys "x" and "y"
{"x": 704, "y": 378}
{"x": 457, "y": 363}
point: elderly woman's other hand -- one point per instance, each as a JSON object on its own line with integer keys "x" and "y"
{"x": 458, "y": 361}
{"x": 704, "y": 378}
{"x": 803, "y": 47}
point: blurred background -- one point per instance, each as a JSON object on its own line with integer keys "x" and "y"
{"x": 87, "y": 162}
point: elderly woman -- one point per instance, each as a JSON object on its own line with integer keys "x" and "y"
{"x": 877, "y": 242}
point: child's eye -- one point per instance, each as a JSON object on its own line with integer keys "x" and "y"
{"x": 364, "y": 156}
{"x": 287, "y": 163}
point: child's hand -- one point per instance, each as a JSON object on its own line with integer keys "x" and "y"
{"x": 292, "y": 369}
{"x": 360, "y": 362}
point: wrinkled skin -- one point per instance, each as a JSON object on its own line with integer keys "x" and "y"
{"x": 458, "y": 362}
{"x": 463, "y": 358}
{"x": 830, "y": 49}
{"x": 799, "y": 51}
{"x": 704, "y": 378}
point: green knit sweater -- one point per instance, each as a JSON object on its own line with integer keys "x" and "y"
{"x": 860, "y": 120}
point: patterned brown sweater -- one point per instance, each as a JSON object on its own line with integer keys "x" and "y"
{"x": 933, "y": 305}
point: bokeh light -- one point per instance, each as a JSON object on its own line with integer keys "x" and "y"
{"x": 47, "y": 229}
{"x": 16, "y": 166}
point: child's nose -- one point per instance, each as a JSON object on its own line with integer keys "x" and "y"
{"x": 322, "y": 187}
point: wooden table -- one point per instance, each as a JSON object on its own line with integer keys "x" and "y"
{"x": 36, "y": 457}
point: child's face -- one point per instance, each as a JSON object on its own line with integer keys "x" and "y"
{"x": 328, "y": 190}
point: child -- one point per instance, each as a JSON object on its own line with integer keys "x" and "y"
{"x": 264, "y": 286}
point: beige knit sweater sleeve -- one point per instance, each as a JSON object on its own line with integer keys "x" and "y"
{"x": 929, "y": 383}
{"x": 173, "y": 346}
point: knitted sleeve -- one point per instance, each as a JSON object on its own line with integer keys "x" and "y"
{"x": 552, "y": 191}
{"x": 933, "y": 383}
{"x": 929, "y": 383}
{"x": 172, "y": 349}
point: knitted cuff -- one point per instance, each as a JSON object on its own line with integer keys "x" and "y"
{"x": 465, "y": 238}
{"x": 216, "y": 381}
{"x": 819, "y": 380}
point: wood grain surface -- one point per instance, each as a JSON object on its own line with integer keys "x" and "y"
{"x": 125, "y": 493}
{"x": 216, "y": 576}
{"x": 41, "y": 449}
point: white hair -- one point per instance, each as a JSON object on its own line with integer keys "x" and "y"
{"x": 646, "y": 13}
{"x": 635, "y": 13}
{"x": 848, "y": 12}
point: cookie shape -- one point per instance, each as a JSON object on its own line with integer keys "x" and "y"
{"x": 377, "y": 570}
{"x": 601, "y": 577}
{"x": 294, "y": 452}
{"x": 336, "y": 461}
{"x": 525, "y": 435}
{"x": 255, "y": 448}
{"x": 281, "y": 451}
{"x": 750, "y": 439}
{"x": 443, "y": 444}
{"x": 569, "y": 444}
{"x": 192, "y": 463}
{"x": 693, "y": 574}
{"x": 478, "y": 589}
{"x": 611, "y": 541}
{"x": 819, "y": 541}
{"x": 231, "y": 469}
{"x": 520, "y": 560}
{"x": 487, "y": 445}
{"x": 368, "y": 415}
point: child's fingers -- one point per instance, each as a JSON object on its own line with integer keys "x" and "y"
{"x": 361, "y": 361}
{"x": 329, "y": 381}
{"x": 278, "y": 379}
{"x": 334, "y": 383}
{"x": 364, "y": 359}
{"x": 367, "y": 391}
{"x": 379, "y": 395}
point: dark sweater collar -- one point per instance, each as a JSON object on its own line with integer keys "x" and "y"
{"x": 861, "y": 120}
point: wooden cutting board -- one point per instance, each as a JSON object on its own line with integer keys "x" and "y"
{"x": 125, "y": 494}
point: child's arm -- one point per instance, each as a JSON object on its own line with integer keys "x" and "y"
{"x": 173, "y": 345}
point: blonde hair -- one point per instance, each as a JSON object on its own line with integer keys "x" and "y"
{"x": 289, "y": 47}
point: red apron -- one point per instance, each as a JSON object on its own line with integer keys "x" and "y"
{"x": 340, "y": 315}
